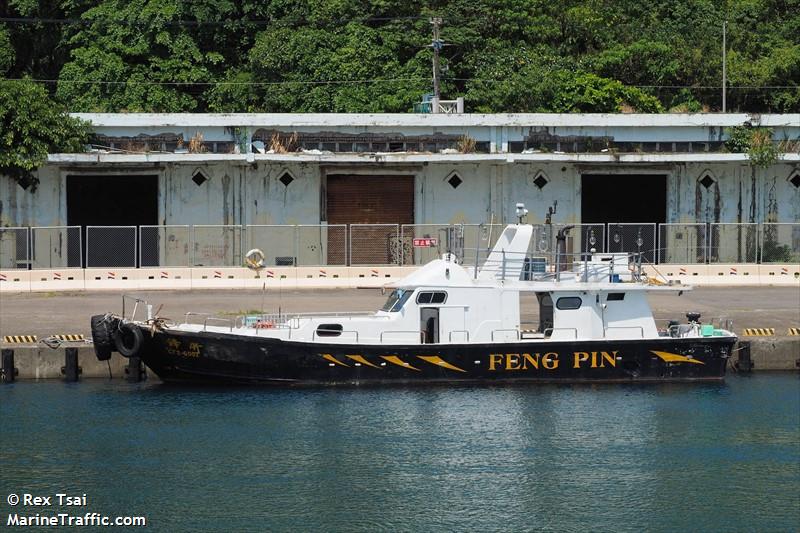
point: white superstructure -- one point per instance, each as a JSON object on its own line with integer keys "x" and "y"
{"x": 601, "y": 297}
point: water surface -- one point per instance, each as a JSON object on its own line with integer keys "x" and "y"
{"x": 702, "y": 457}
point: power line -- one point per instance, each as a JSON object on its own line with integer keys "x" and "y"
{"x": 243, "y": 21}
{"x": 214, "y": 83}
{"x": 487, "y": 80}
{"x": 360, "y": 81}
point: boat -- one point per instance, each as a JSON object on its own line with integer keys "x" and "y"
{"x": 448, "y": 323}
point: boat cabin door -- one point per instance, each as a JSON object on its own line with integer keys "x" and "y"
{"x": 429, "y": 324}
{"x": 545, "y": 312}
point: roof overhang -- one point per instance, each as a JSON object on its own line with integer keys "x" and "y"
{"x": 403, "y": 158}
{"x": 295, "y": 120}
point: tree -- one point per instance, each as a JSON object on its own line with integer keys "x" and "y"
{"x": 31, "y": 126}
{"x": 317, "y": 55}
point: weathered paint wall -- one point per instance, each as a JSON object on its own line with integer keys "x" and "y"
{"x": 45, "y": 207}
{"x": 237, "y": 193}
{"x": 739, "y": 193}
{"x": 563, "y": 186}
{"x": 437, "y": 202}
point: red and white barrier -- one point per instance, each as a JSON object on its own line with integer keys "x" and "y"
{"x": 111, "y": 278}
{"x": 15, "y": 280}
{"x": 58, "y": 280}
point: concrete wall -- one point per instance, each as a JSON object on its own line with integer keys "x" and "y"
{"x": 238, "y": 193}
{"x": 741, "y": 193}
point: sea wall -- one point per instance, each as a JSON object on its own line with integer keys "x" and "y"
{"x": 40, "y": 362}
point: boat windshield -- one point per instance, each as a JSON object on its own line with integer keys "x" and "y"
{"x": 397, "y": 299}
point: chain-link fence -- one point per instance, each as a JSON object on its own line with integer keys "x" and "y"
{"x": 682, "y": 243}
{"x": 582, "y": 238}
{"x": 56, "y": 247}
{"x": 15, "y": 252}
{"x": 732, "y": 243}
{"x": 382, "y": 244}
{"x": 422, "y": 243}
{"x": 322, "y": 244}
{"x": 780, "y": 242}
{"x": 375, "y": 244}
{"x": 633, "y": 238}
{"x": 165, "y": 246}
{"x": 111, "y": 246}
{"x": 479, "y": 239}
{"x": 279, "y": 243}
{"x": 216, "y": 246}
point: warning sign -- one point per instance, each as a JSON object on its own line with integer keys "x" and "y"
{"x": 425, "y": 242}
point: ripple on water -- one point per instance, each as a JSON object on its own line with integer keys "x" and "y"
{"x": 671, "y": 457}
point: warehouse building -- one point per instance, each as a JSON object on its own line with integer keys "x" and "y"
{"x": 346, "y": 169}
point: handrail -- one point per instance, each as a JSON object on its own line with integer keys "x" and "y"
{"x": 218, "y": 319}
{"x": 192, "y": 313}
{"x": 551, "y": 330}
{"x": 136, "y": 300}
{"x": 450, "y": 337}
{"x": 420, "y": 333}
{"x": 640, "y": 328}
{"x": 516, "y": 331}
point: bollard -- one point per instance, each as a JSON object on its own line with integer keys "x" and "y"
{"x": 135, "y": 371}
{"x": 71, "y": 370}
{"x": 8, "y": 372}
{"x": 744, "y": 364}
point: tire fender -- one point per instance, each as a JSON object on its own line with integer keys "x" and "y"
{"x": 128, "y": 339}
{"x": 101, "y": 337}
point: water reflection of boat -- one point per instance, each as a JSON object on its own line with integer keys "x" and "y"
{"x": 447, "y": 323}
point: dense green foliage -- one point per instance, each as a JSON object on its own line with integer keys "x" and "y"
{"x": 374, "y": 55}
{"x": 757, "y": 142}
{"x": 31, "y": 126}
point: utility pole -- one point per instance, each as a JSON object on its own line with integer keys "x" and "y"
{"x": 437, "y": 45}
{"x": 724, "y": 65}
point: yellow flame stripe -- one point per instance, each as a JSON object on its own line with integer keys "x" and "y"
{"x": 436, "y": 360}
{"x": 399, "y": 362}
{"x": 360, "y": 359}
{"x": 675, "y": 358}
{"x": 332, "y": 359}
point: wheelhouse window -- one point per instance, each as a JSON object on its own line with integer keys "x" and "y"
{"x": 329, "y": 330}
{"x": 397, "y": 300}
{"x": 431, "y": 297}
{"x": 568, "y": 302}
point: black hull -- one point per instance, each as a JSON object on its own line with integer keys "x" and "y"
{"x": 215, "y": 358}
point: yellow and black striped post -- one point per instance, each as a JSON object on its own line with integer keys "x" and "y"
{"x": 20, "y": 339}
{"x": 793, "y": 332}
{"x": 73, "y": 337}
{"x": 758, "y": 332}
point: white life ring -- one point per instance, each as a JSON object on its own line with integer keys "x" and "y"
{"x": 254, "y": 259}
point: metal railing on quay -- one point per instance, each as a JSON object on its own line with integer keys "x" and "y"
{"x": 56, "y": 247}
{"x": 15, "y": 249}
{"x": 165, "y": 246}
{"x": 682, "y": 243}
{"x": 216, "y": 245}
{"x": 111, "y": 246}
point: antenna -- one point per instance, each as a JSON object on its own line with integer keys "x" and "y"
{"x": 521, "y": 212}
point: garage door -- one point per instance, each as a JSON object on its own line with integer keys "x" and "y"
{"x": 373, "y": 199}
